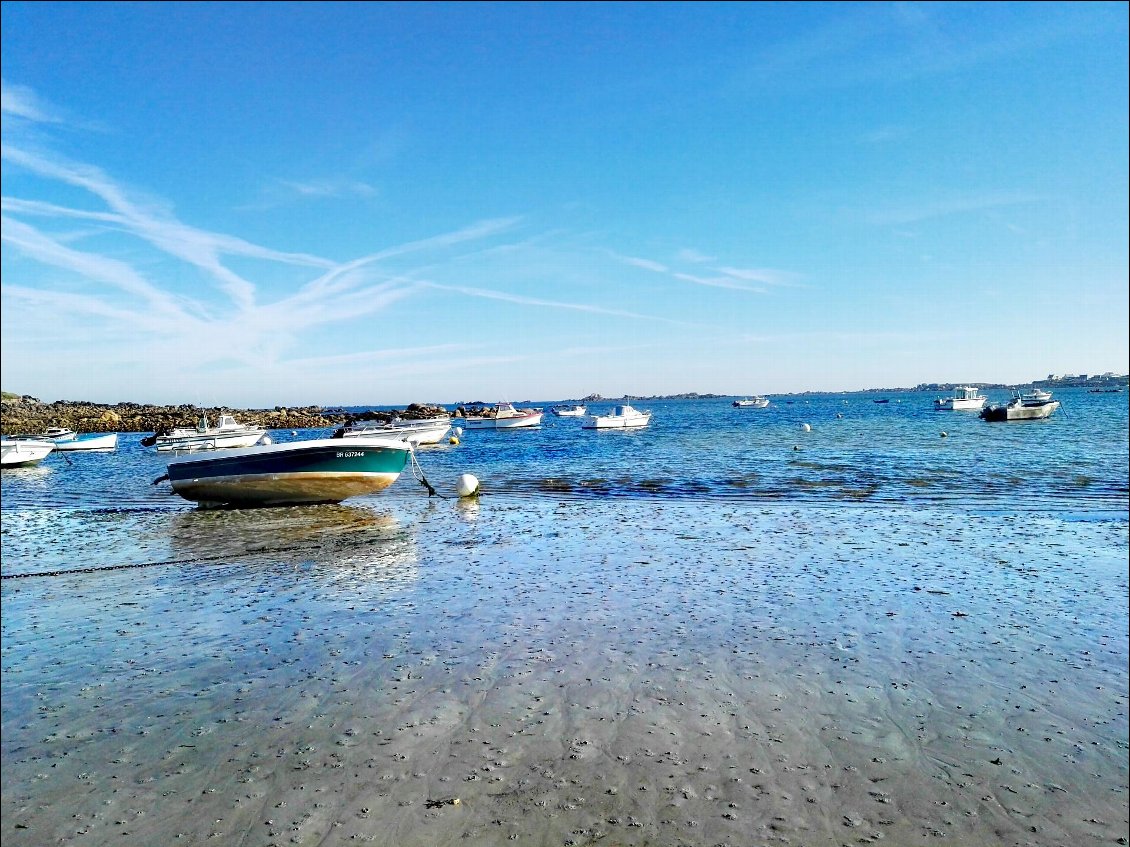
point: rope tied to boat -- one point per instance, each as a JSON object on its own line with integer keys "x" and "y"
{"x": 418, "y": 473}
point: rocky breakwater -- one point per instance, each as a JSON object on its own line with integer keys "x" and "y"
{"x": 28, "y": 416}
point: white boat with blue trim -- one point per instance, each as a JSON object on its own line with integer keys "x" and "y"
{"x": 94, "y": 442}
{"x": 323, "y": 470}
{"x": 757, "y": 402}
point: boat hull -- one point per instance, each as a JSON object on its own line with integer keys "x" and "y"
{"x": 16, "y": 453}
{"x": 109, "y": 441}
{"x": 1018, "y": 412}
{"x": 571, "y": 412}
{"x": 760, "y": 403}
{"x": 952, "y": 405}
{"x": 532, "y": 419}
{"x": 326, "y": 470}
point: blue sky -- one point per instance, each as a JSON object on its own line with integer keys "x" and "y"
{"x": 259, "y": 204}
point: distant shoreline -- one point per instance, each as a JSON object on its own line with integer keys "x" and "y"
{"x": 24, "y": 414}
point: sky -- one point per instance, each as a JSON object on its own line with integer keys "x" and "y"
{"x": 284, "y": 204}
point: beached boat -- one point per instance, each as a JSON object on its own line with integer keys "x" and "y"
{"x": 575, "y": 411}
{"x": 965, "y": 398}
{"x": 104, "y": 441}
{"x": 1021, "y": 409}
{"x": 621, "y": 417}
{"x": 19, "y": 452}
{"x": 324, "y": 470}
{"x": 499, "y": 416}
{"x": 228, "y": 433}
{"x": 751, "y": 403}
{"x": 418, "y": 431}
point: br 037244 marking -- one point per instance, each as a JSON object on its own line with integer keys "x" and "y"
{"x": 349, "y": 454}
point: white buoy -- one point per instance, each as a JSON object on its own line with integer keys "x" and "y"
{"x": 944, "y": 433}
{"x": 458, "y": 431}
{"x": 806, "y": 427}
{"x": 467, "y": 485}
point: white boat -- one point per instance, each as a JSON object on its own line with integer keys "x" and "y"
{"x": 500, "y": 416}
{"x": 104, "y": 441}
{"x": 751, "y": 403}
{"x": 59, "y": 434}
{"x": 228, "y": 433}
{"x": 1034, "y": 397}
{"x": 417, "y": 431}
{"x": 621, "y": 417}
{"x": 576, "y": 411}
{"x": 18, "y": 452}
{"x": 323, "y": 470}
{"x": 965, "y": 398}
{"x": 1020, "y": 408}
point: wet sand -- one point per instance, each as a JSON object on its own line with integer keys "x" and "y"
{"x": 567, "y": 673}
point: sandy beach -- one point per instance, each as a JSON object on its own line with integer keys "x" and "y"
{"x": 556, "y": 672}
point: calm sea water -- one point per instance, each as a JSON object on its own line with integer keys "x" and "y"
{"x": 858, "y": 453}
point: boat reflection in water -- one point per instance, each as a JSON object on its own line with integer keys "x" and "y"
{"x": 354, "y": 543}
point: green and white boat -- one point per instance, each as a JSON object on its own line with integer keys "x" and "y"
{"x": 324, "y": 470}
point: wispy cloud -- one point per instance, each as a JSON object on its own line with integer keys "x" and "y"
{"x": 549, "y": 304}
{"x": 16, "y": 101}
{"x": 951, "y": 203}
{"x": 731, "y": 278}
{"x": 719, "y": 282}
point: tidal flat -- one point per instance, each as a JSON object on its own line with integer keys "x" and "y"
{"x": 562, "y": 672}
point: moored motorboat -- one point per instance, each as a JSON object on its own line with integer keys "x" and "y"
{"x": 324, "y": 470}
{"x": 965, "y": 398}
{"x": 228, "y": 433}
{"x": 1020, "y": 408}
{"x": 751, "y": 403}
{"x": 623, "y": 416}
{"x": 573, "y": 411}
{"x": 102, "y": 441}
{"x": 20, "y": 452}
{"x": 500, "y": 416}
{"x": 1034, "y": 397}
{"x": 417, "y": 430}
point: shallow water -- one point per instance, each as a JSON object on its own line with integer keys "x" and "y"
{"x": 692, "y": 634}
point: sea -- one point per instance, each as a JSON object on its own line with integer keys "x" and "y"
{"x": 848, "y": 451}
{"x": 824, "y": 621}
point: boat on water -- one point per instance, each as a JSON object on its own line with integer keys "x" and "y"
{"x": 574, "y": 411}
{"x": 621, "y": 417}
{"x": 1022, "y": 407}
{"x": 323, "y": 470}
{"x": 21, "y": 452}
{"x": 965, "y": 398}
{"x": 751, "y": 403}
{"x": 59, "y": 434}
{"x": 499, "y": 416}
{"x": 103, "y": 441}
{"x": 1034, "y": 397}
{"x": 881, "y": 400}
{"x": 417, "y": 431}
{"x": 228, "y": 433}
